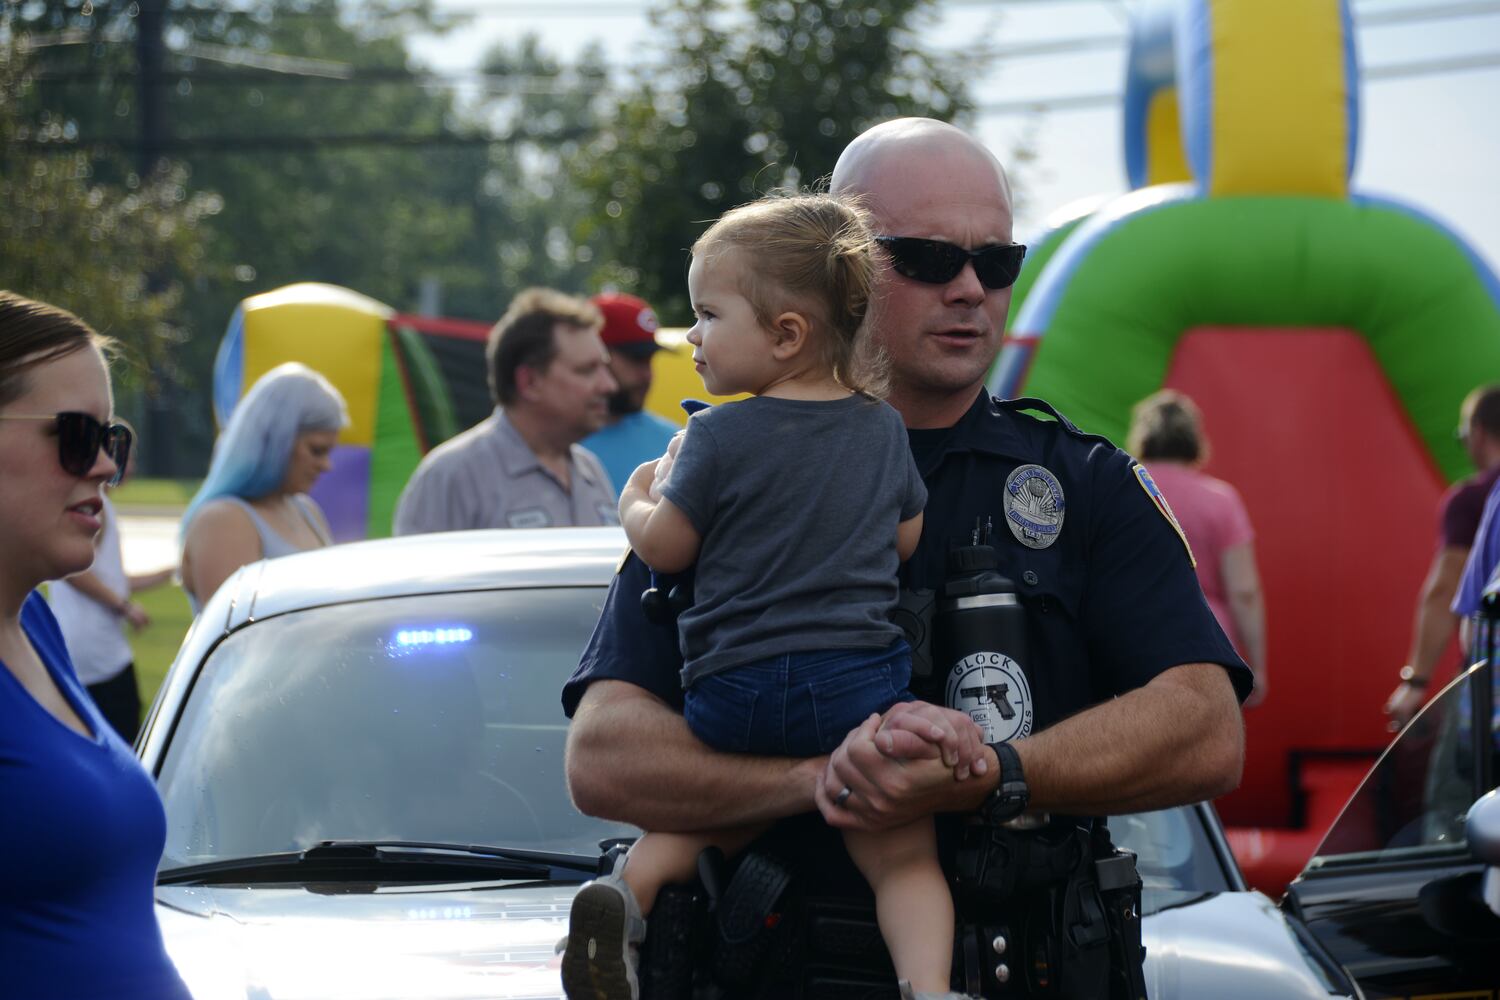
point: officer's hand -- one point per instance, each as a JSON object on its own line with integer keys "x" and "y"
{"x": 664, "y": 465}
{"x": 884, "y": 792}
{"x": 920, "y": 730}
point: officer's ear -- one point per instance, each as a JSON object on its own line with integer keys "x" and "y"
{"x": 789, "y": 333}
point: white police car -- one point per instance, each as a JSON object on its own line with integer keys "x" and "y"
{"x": 360, "y": 754}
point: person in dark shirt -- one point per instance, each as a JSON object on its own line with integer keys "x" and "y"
{"x": 1458, "y": 524}
{"x": 1134, "y": 704}
{"x": 789, "y": 642}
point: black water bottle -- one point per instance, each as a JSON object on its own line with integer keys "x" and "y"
{"x": 980, "y": 635}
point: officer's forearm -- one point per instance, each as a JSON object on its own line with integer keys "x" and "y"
{"x": 633, "y": 759}
{"x": 1178, "y": 739}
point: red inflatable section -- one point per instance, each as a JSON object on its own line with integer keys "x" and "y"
{"x": 1344, "y": 500}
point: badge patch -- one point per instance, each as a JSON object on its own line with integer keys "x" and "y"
{"x": 1157, "y": 497}
{"x": 531, "y": 517}
{"x": 1034, "y": 506}
{"x": 992, "y": 690}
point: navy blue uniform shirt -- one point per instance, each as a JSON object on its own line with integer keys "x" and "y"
{"x": 1112, "y": 601}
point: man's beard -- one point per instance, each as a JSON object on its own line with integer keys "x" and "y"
{"x": 623, "y": 403}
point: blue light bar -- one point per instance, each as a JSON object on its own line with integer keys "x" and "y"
{"x": 409, "y": 638}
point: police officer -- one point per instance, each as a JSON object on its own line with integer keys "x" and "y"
{"x": 1131, "y": 702}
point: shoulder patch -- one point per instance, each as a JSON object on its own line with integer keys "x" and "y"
{"x": 1154, "y": 492}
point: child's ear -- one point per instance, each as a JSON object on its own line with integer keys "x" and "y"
{"x": 788, "y": 335}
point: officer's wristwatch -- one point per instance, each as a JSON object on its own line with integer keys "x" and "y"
{"x": 1011, "y": 794}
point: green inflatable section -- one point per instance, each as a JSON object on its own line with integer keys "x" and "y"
{"x": 429, "y": 392}
{"x": 1036, "y": 262}
{"x": 396, "y": 456}
{"x": 1397, "y": 280}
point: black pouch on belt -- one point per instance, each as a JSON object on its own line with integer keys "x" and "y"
{"x": 1120, "y": 891}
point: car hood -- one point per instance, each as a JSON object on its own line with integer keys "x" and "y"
{"x": 1228, "y": 945}
{"x": 465, "y": 942}
{"x": 496, "y": 940}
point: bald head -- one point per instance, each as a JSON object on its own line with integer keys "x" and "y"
{"x": 927, "y": 180}
{"x": 883, "y": 158}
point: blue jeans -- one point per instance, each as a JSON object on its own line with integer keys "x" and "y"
{"x": 797, "y": 704}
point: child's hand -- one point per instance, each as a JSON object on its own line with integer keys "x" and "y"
{"x": 642, "y": 479}
{"x": 917, "y": 730}
{"x": 663, "y": 466}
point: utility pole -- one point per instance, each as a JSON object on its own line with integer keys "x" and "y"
{"x": 150, "y": 97}
{"x": 150, "y": 43}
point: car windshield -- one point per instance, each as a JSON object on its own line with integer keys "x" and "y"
{"x": 434, "y": 718}
{"x": 1174, "y": 854}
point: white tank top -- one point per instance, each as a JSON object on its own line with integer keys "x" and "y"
{"x": 94, "y": 634}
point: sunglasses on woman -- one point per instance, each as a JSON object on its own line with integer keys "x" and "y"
{"x": 79, "y": 440}
{"x": 937, "y": 263}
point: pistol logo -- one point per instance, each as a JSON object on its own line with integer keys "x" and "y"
{"x": 995, "y": 694}
{"x": 992, "y": 689}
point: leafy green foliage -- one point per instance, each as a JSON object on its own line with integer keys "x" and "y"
{"x": 117, "y": 254}
{"x": 292, "y": 120}
{"x": 749, "y": 101}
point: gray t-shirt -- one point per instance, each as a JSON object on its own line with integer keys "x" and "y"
{"x": 797, "y": 502}
{"x": 488, "y": 477}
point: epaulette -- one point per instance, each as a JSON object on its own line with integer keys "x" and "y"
{"x": 1020, "y": 404}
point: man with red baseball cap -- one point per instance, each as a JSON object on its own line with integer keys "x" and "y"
{"x": 631, "y": 435}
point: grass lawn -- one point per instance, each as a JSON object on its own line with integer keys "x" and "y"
{"x": 156, "y": 644}
{"x": 140, "y": 492}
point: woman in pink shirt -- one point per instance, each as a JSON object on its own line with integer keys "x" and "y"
{"x": 1166, "y": 433}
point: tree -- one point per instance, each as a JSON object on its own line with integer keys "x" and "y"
{"x": 748, "y": 102}
{"x": 330, "y": 161}
{"x": 72, "y": 240}
{"x": 525, "y": 211}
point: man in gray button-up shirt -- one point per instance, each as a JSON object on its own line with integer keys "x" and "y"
{"x": 522, "y": 467}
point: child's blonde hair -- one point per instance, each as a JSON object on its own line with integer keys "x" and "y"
{"x": 813, "y": 253}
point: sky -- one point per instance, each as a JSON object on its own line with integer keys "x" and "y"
{"x": 1430, "y": 139}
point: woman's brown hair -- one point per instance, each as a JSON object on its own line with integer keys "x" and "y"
{"x": 33, "y": 333}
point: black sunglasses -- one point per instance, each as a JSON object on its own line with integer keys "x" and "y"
{"x": 79, "y": 439}
{"x": 938, "y": 263}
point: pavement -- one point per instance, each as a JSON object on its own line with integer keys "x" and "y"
{"x": 148, "y": 540}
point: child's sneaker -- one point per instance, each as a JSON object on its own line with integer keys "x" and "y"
{"x": 605, "y": 931}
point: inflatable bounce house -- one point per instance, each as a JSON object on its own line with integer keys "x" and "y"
{"x": 411, "y": 382}
{"x": 400, "y": 404}
{"x": 1329, "y": 338}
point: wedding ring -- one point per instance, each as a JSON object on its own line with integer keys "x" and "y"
{"x": 843, "y": 796}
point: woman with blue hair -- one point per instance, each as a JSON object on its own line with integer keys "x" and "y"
{"x": 254, "y": 504}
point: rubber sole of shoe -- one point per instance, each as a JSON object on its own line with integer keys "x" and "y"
{"x": 595, "y": 965}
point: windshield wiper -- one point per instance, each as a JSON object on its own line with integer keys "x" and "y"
{"x": 382, "y": 861}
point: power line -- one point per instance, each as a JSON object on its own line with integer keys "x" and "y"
{"x": 283, "y": 143}
{"x": 1393, "y": 71}
{"x": 408, "y": 141}
{"x": 1433, "y": 67}
{"x": 304, "y": 66}
{"x": 1433, "y": 12}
